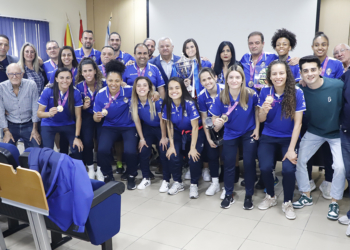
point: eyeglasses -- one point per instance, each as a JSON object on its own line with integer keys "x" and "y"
{"x": 11, "y": 75}
{"x": 52, "y": 48}
{"x": 338, "y": 52}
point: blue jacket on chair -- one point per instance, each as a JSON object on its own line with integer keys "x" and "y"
{"x": 67, "y": 185}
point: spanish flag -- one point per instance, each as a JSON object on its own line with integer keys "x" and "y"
{"x": 68, "y": 38}
{"x": 80, "y": 32}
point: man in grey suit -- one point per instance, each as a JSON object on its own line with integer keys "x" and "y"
{"x": 5, "y": 59}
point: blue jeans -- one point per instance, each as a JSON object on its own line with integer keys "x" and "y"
{"x": 22, "y": 131}
{"x": 175, "y": 162}
{"x": 48, "y": 134}
{"x": 268, "y": 146}
{"x": 345, "y": 149}
{"x": 89, "y": 130}
{"x": 249, "y": 154}
{"x": 152, "y": 136}
{"x": 105, "y": 143}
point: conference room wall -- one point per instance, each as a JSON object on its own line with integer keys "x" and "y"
{"x": 129, "y": 20}
{"x": 49, "y": 10}
{"x": 335, "y": 21}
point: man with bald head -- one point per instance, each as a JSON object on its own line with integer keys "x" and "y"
{"x": 342, "y": 53}
{"x": 18, "y": 108}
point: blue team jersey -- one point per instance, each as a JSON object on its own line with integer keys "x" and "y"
{"x": 240, "y": 121}
{"x": 275, "y": 124}
{"x": 151, "y": 72}
{"x": 94, "y": 55}
{"x": 295, "y": 70}
{"x": 145, "y": 114}
{"x": 205, "y": 100}
{"x": 198, "y": 86}
{"x": 183, "y": 122}
{"x": 80, "y": 87}
{"x": 63, "y": 118}
{"x": 260, "y": 67}
{"x": 119, "y": 111}
{"x": 124, "y": 57}
{"x": 103, "y": 70}
{"x": 49, "y": 67}
{"x": 74, "y": 73}
{"x": 334, "y": 69}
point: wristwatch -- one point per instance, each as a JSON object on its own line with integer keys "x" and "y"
{"x": 77, "y": 136}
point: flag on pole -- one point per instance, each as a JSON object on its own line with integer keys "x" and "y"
{"x": 80, "y": 32}
{"x": 108, "y": 30}
{"x": 68, "y": 38}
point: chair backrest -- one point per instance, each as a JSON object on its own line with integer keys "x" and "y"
{"x": 9, "y": 154}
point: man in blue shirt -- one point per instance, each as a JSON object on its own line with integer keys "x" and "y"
{"x": 52, "y": 50}
{"x": 115, "y": 41}
{"x": 5, "y": 59}
{"x": 151, "y": 45}
{"x": 87, "y": 50}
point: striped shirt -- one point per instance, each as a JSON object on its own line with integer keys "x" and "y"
{"x": 21, "y": 108}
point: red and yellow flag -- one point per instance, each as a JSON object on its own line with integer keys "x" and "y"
{"x": 80, "y": 32}
{"x": 68, "y": 37}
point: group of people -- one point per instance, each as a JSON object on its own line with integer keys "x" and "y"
{"x": 88, "y": 101}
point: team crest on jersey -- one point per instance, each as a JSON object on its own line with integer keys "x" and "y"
{"x": 328, "y": 71}
{"x": 329, "y": 99}
{"x": 149, "y": 73}
{"x": 125, "y": 99}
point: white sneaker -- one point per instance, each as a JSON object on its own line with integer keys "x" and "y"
{"x": 99, "y": 175}
{"x": 325, "y": 188}
{"x": 164, "y": 187}
{"x": 223, "y": 194}
{"x": 287, "y": 208}
{"x": 144, "y": 183}
{"x": 206, "y": 174}
{"x": 344, "y": 220}
{"x": 348, "y": 231}
{"x": 188, "y": 174}
{"x": 268, "y": 202}
{"x": 91, "y": 172}
{"x": 213, "y": 189}
{"x": 312, "y": 185}
{"x": 194, "y": 191}
{"x": 175, "y": 188}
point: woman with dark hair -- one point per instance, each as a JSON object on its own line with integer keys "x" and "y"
{"x": 185, "y": 133}
{"x": 89, "y": 79}
{"x": 225, "y": 58}
{"x": 67, "y": 59}
{"x": 151, "y": 129}
{"x": 60, "y": 110}
{"x": 281, "y": 108}
{"x": 235, "y": 110}
{"x": 191, "y": 51}
{"x": 112, "y": 104}
{"x": 284, "y": 41}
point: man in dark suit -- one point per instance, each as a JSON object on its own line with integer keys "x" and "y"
{"x": 5, "y": 59}
{"x": 166, "y": 58}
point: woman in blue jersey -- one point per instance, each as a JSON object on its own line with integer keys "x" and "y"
{"x": 67, "y": 59}
{"x": 236, "y": 110}
{"x": 112, "y": 104}
{"x": 205, "y": 99}
{"x": 151, "y": 129}
{"x": 60, "y": 110}
{"x": 185, "y": 133}
{"x": 284, "y": 41}
{"x": 89, "y": 79}
{"x": 281, "y": 108}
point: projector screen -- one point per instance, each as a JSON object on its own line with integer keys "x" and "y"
{"x": 211, "y": 22}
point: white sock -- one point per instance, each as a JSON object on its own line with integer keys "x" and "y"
{"x": 193, "y": 185}
{"x": 91, "y": 167}
{"x": 98, "y": 168}
{"x": 215, "y": 180}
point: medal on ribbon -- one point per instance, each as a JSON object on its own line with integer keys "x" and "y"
{"x": 87, "y": 98}
{"x": 229, "y": 111}
{"x": 325, "y": 66}
{"x": 110, "y": 100}
{"x": 139, "y": 72}
{"x": 62, "y": 103}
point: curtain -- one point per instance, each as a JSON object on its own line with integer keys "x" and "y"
{"x": 20, "y": 31}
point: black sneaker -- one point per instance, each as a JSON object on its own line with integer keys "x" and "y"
{"x": 124, "y": 177}
{"x": 227, "y": 201}
{"x": 260, "y": 184}
{"x": 243, "y": 183}
{"x": 131, "y": 183}
{"x": 120, "y": 170}
{"x": 248, "y": 203}
{"x": 108, "y": 178}
{"x": 237, "y": 173}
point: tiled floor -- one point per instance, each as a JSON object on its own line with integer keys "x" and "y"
{"x": 155, "y": 221}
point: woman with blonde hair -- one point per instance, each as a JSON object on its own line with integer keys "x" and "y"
{"x": 151, "y": 129}
{"x": 235, "y": 110}
{"x": 29, "y": 62}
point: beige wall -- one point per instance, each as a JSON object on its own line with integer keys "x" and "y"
{"x": 129, "y": 20}
{"x": 335, "y": 21}
{"x": 50, "y": 10}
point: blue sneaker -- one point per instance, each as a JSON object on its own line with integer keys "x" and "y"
{"x": 274, "y": 184}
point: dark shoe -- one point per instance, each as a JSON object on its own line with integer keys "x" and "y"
{"x": 227, "y": 201}
{"x": 124, "y": 177}
{"x": 243, "y": 183}
{"x": 260, "y": 184}
{"x": 120, "y": 170}
{"x": 248, "y": 203}
{"x": 108, "y": 178}
{"x": 221, "y": 176}
{"x": 131, "y": 183}
{"x": 237, "y": 173}
{"x": 151, "y": 175}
